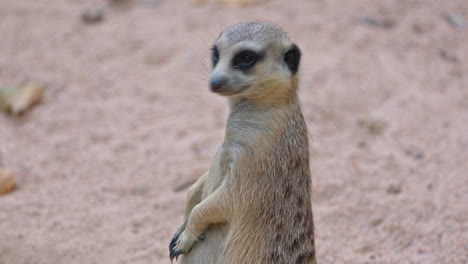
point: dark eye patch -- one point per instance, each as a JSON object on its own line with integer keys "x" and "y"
{"x": 214, "y": 55}
{"x": 245, "y": 60}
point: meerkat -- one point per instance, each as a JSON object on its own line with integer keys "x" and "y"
{"x": 254, "y": 203}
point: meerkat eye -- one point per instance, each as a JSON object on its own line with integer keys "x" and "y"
{"x": 245, "y": 60}
{"x": 214, "y": 55}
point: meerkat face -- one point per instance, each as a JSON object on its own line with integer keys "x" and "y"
{"x": 253, "y": 59}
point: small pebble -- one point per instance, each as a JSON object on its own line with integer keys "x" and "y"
{"x": 376, "y": 222}
{"x": 445, "y": 55}
{"x": 374, "y": 22}
{"x": 150, "y": 3}
{"x": 92, "y": 15}
{"x": 122, "y": 4}
{"x": 456, "y": 20}
{"x": 362, "y": 144}
{"x": 415, "y": 154}
{"x": 140, "y": 190}
{"x": 394, "y": 189}
{"x": 233, "y": 3}
{"x": 373, "y": 126}
{"x": 118, "y": 2}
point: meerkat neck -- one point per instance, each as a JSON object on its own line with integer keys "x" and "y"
{"x": 248, "y": 109}
{"x": 272, "y": 100}
{"x": 249, "y": 121}
{"x": 235, "y": 104}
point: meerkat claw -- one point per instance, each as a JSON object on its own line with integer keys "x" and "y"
{"x": 174, "y": 241}
{"x": 174, "y": 254}
{"x": 180, "y": 244}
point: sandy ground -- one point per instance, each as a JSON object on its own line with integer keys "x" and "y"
{"x": 128, "y": 120}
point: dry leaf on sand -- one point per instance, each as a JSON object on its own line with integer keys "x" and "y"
{"x": 7, "y": 182}
{"x": 17, "y": 100}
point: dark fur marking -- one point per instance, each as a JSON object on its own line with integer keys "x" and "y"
{"x": 292, "y": 58}
{"x": 297, "y": 242}
{"x": 246, "y": 59}
{"x": 296, "y": 165}
{"x": 299, "y": 218}
{"x": 274, "y": 257}
{"x": 311, "y": 227}
{"x": 300, "y": 258}
{"x": 287, "y": 192}
{"x": 278, "y": 238}
{"x": 305, "y": 257}
{"x": 308, "y": 221}
{"x": 294, "y": 244}
{"x": 300, "y": 201}
{"x": 279, "y": 227}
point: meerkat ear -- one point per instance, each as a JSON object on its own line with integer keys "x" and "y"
{"x": 292, "y": 58}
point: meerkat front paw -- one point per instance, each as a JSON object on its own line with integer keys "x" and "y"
{"x": 181, "y": 243}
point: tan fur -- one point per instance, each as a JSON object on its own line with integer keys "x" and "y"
{"x": 253, "y": 205}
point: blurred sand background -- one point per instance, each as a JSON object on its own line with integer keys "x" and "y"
{"x": 128, "y": 122}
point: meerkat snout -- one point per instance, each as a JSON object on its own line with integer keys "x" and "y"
{"x": 217, "y": 83}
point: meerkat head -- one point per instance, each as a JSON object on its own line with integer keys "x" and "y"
{"x": 254, "y": 60}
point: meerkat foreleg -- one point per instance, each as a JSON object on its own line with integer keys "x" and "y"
{"x": 194, "y": 197}
{"x": 212, "y": 210}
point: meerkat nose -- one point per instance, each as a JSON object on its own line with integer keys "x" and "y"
{"x": 217, "y": 83}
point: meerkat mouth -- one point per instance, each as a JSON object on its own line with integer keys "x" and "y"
{"x": 231, "y": 92}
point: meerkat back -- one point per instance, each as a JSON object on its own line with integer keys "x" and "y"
{"x": 253, "y": 205}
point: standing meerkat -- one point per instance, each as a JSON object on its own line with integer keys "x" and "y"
{"x": 253, "y": 205}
